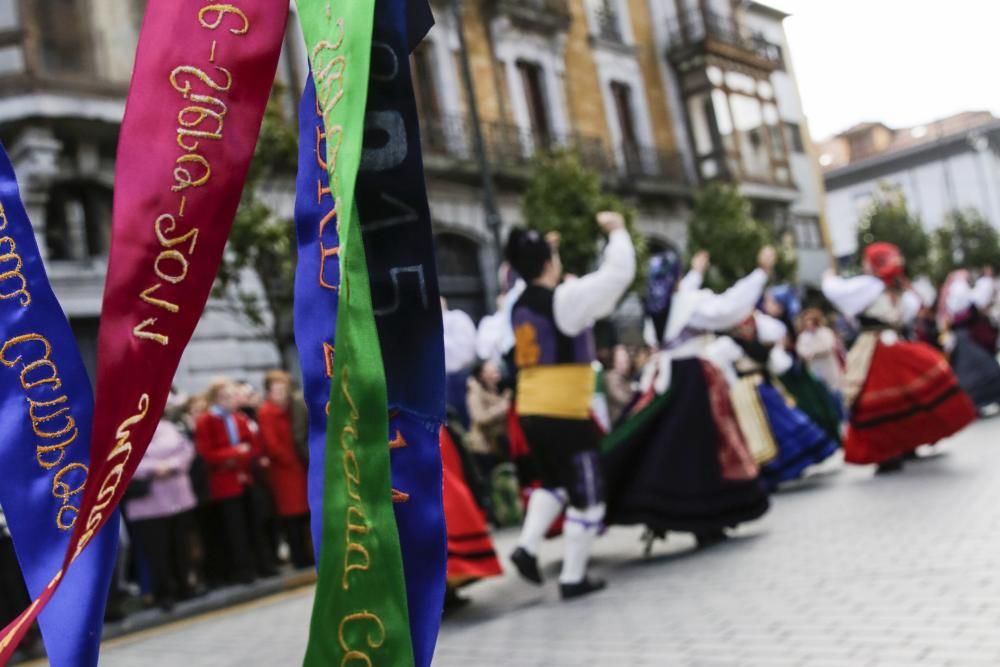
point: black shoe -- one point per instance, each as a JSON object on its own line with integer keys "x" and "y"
{"x": 453, "y": 601}
{"x": 166, "y": 605}
{"x": 890, "y": 466}
{"x": 710, "y": 539}
{"x": 585, "y": 587}
{"x": 527, "y": 565}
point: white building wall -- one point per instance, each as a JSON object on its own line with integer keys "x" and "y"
{"x": 932, "y": 191}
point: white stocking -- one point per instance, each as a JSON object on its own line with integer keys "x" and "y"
{"x": 579, "y": 533}
{"x": 544, "y": 507}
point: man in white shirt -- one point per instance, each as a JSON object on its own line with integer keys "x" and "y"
{"x": 553, "y": 352}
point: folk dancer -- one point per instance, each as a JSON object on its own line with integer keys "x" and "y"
{"x": 680, "y": 461}
{"x": 553, "y": 352}
{"x": 900, "y": 395}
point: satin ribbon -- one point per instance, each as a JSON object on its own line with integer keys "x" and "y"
{"x": 46, "y": 406}
{"x": 317, "y": 279}
{"x": 399, "y": 246}
{"x": 360, "y": 608}
{"x": 202, "y": 76}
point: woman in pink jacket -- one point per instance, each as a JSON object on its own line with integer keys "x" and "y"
{"x": 159, "y": 505}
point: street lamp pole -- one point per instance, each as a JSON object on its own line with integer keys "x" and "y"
{"x": 493, "y": 220}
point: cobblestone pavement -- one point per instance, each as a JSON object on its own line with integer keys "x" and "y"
{"x": 847, "y": 569}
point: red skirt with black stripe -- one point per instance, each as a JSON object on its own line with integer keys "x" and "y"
{"x": 471, "y": 555}
{"x": 909, "y": 398}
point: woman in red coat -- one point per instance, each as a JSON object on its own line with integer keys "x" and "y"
{"x": 230, "y": 449}
{"x": 287, "y": 471}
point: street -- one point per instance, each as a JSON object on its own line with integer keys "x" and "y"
{"x": 847, "y": 569}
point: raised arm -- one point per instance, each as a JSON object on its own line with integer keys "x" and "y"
{"x": 726, "y": 310}
{"x": 852, "y": 295}
{"x": 579, "y": 303}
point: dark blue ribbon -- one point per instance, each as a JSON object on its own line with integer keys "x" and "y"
{"x": 395, "y": 220}
{"x": 317, "y": 278}
{"x": 399, "y": 246}
{"x": 41, "y": 480}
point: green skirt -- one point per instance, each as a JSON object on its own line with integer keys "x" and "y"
{"x": 813, "y": 398}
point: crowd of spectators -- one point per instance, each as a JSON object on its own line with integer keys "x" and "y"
{"x": 219, "y": 499}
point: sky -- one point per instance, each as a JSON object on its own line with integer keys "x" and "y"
{"x": 901, "y": 62}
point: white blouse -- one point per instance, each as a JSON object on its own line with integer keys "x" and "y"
{"x": 577, "y": 304}
{"x": 861, "y": 294}
{"x": 962, "y": 296}
{"x": 702, "y": 310}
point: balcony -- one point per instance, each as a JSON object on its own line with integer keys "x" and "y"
{"x": 699, "y": 32}
{"x": 643, "y": 163}
{"x": 449, "y": 150}
{"x": 549, "y": 16}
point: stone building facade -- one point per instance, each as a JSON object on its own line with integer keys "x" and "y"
{"x": 633, "y": 85}
{"x": 64, "y": 72}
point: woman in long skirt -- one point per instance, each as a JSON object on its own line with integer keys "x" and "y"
{"x": 786, "y": 439}
{"x": 971, "y": 338}
{"x": 679, "y": 461}
{"x": 471, "y": 555}
{"x": 900, "y": 395}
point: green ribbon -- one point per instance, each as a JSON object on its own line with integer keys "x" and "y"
{"x": 360, "y": 611}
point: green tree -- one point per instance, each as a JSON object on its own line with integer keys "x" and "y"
{"x": 564, "y": 196}
{"x": 966, "y": 240}
{"x": 722, "y": 223}
{"x": 888, "y": 219}
{"x": 262, "y": 243}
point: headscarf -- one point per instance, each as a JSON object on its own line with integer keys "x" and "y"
{"x": 663, "y": 274}
{"x": 886, "y": 261}
{"x": 788, "y": 298}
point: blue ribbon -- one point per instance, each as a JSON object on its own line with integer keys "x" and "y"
{"x": 395, "y": 219}
{"x": 399, "y": 246}
{"x": 44, "y": 455}
{"x": 317, "y": 279}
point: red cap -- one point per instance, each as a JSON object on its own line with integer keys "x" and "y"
{"x": 885, "y": 260}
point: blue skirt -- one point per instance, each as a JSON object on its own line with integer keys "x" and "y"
{"x": 977, "y": 370}
{"x": 801, "y": 443}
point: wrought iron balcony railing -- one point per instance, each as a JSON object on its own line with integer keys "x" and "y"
{"x": 448, "y": 143}
{"x": 696, "y": 27}
{"x": 546, "y": 15}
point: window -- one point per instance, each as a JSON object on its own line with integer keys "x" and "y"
{"x": 741, "y": 128}
{"x": 748, "y": 119}
{"x": 773, "y": 122}
{"x": 534, "y": 95}
{"x": 807, "y": 232}
{"x": 459, "y": 273}
{"x": 793, "y": 138}
{"x": 608, "y": 21}
{"x": 626, "y": 118}
{"x": 63, "y": 29}
{"x": 78, "y": 221}
{"x": 622, "y": 95}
